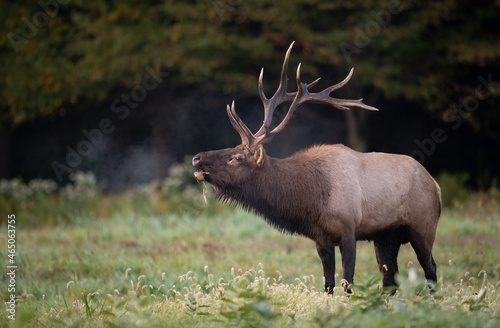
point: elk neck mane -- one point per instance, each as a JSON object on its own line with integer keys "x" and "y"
{"x": 285, "y": 191}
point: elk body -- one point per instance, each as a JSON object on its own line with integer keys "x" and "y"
{"x": 330, "y": 193}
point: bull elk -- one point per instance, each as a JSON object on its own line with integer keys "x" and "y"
{"x": 329, "y": 193}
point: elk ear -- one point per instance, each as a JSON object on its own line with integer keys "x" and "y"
{"x": 259, "y": 155}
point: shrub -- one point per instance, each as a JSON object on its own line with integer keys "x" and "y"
{"x": 453, "y": 188}
{"x": 41, "y": 202}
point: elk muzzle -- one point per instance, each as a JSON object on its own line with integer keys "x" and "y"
{"x": 199, "y": 175}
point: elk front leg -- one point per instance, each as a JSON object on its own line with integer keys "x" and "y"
{"x": 348, "y": 253}
{"x": 326, "y": 253}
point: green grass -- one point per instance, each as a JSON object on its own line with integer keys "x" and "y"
{"x": 197, "y": 265}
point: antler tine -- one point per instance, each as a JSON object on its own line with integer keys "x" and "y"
{"x": 313, "y": 83}
{"x": 302, "y": 89}
{"x": 261, "y": 88}
{"x": 239, "y": 126}
{"x": 341, "y": 84}
{"x": 279, "y": 96}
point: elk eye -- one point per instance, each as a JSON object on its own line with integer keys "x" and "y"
{"x": 236, "y": 159}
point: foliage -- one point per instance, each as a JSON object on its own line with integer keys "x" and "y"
{"x": 250, "y": 299}
{"x": 117, "y": 260}
{"x": 453, "y": 188}
{"x": 431, "y": 52}
{"x": 39, "y": 202}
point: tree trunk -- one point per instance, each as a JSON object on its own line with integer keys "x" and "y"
{"x": 5, "y": 155}
{"x": 355, "y": 122}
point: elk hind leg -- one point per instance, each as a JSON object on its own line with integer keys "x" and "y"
{"x": 386, "y": 251}
{"x": 423, "y": 250}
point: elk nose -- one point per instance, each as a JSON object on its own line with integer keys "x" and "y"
{"x": 196, "y": 160}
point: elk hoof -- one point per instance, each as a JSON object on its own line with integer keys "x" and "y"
{"x": 347, "y": 286}
{"x": 329, "y": 288}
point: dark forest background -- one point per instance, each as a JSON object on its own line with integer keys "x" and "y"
{"x": 127, "y": 88}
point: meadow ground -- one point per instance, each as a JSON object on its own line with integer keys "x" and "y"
{"x": 156, "y": 262}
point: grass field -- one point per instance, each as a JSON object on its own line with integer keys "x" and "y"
{"x": 150, "y": 261}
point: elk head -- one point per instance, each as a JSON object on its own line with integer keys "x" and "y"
{"x": 231, "y": 167}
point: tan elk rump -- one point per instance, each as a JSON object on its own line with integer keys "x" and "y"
{"x": 331, "y": 193}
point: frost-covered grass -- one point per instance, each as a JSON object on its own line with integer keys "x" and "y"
{"x": 164, "y": 258}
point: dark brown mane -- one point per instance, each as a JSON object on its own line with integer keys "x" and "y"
{"x": 284, "y": 191}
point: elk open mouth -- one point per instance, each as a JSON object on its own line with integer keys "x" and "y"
{"x": 200, "y": 175}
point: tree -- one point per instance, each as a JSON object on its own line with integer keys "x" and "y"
{"x": 59, "y": 56}
{"x": 58, "y": 53}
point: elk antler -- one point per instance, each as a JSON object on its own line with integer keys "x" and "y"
{"x": 302, "y": 95}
